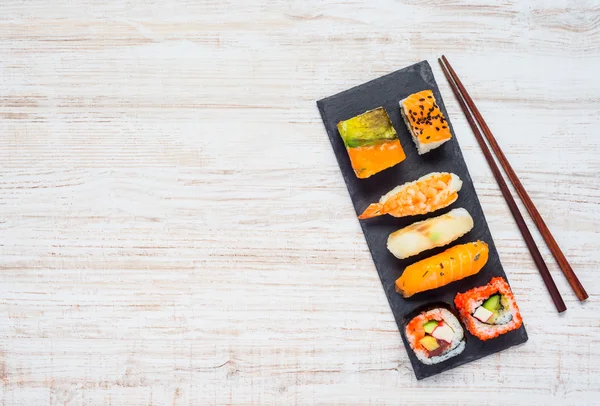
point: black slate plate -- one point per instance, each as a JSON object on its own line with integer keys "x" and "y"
{"x": 387, "y": 91}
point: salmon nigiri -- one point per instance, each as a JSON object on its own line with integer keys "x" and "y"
{"x": 439, "y": 270}
{"x": 425, "y": 195}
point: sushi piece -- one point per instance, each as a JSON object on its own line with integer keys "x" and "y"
{"x": 425, "y": 121}
{"x": 430, "y": 233}
{"x": 489, "y": 311}
{"x": 435, "y": 335}
{"x": 439, "y": 270}
{"x": 425, "y": 195}
{"x": 371, "y": 142}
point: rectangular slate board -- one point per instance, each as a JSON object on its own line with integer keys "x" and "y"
{"x": 387, "y": 91}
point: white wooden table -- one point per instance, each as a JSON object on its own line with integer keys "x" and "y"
{"x": 174, "y": 228}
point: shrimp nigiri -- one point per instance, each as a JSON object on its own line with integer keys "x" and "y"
{"x": 439, "y": 270}
{"x": 425, "y": 195}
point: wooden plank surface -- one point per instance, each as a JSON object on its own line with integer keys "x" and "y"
{"x": 174, "y": 228}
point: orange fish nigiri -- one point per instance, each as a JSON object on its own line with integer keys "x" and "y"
{"x": 425, "y": 195}
{"x": 439, "y": 270}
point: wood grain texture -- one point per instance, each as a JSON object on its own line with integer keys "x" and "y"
{"x": 174, "y": 228}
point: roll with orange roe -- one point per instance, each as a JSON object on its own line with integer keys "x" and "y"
{"x": 489, "y": 311}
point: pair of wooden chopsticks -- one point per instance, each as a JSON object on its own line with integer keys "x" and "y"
{"x": 464, "y": 99}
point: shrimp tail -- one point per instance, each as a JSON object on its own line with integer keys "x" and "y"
{"x": 373, "y": 210}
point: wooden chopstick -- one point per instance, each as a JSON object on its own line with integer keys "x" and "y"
{"x": 512, "y": 205}
{"x": 533, "y": 212}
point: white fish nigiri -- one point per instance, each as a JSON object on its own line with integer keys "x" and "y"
{"x": 430, "y": 233}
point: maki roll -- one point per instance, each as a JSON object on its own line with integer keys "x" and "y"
{"x": 439, "y": 270}
{"x": 435, "y": 335}
{"x": 429, "y": 193}
{"x": 425, "y": 121}
{"x": 489, "y": 311}
{"x": 427, "y": 234}
{"x": 371, "y": 142}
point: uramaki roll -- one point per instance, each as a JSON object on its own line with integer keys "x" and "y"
{"x": 489, "y": 311}
{"x": 435, "y": 335}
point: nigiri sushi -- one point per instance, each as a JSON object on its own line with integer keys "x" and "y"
{"x": 439, "y": 270}
{"x": 435, "y": 335}
{"x": 425, "y": 195}
{"x": 430, "y": 233}
{"x": 489, "y": 311}
{"x": 425, "y": 121}
{"x": 371, "y": 142}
